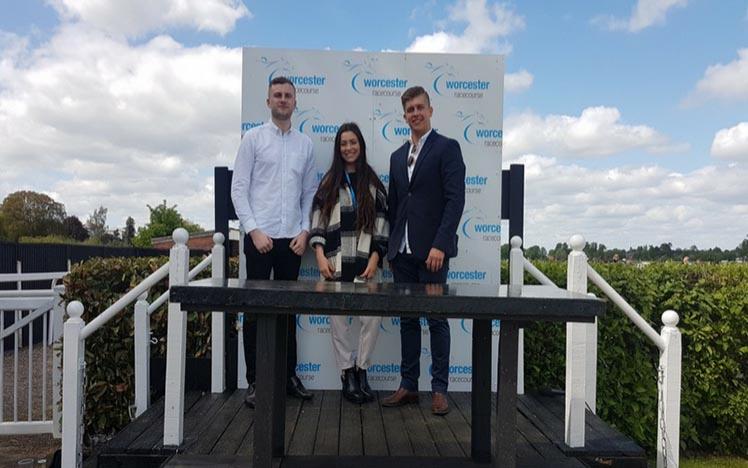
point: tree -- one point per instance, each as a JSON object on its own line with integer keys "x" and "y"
{"x": 74, "y": 229}
{"x": 96, "y": 224}
{"x": 129, "y": 233}
{"x": 27, "y": 213}
{"x": 3, "y": 233}
{"x": 163, "y": 220}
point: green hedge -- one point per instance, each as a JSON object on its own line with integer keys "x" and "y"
{"x": 712, "y": 301}
{"x": 110, "y": 374}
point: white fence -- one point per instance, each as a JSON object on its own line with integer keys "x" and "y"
{"x": 31, "y": 380}
{"x": 581, "y": 354}
{"x": 76, "y": 331}
{"x": 581, "y": 350}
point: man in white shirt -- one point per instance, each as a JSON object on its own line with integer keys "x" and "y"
{"x": 272, "y": 190}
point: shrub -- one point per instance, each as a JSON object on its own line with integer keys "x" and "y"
{"x": 110, "y": 375}
{"x": 712, "y": 302}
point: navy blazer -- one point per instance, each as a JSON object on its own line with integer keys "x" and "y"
{"x": 433, "y": 200}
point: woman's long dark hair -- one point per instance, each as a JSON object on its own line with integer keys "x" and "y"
{"x": 327, "y": 193}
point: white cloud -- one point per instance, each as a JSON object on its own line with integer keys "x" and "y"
{"x": 485, "y": 25}
{"x": 626, "y": 206}
{"x": 731, "y": 143}
{"x": 727, "y": 82}
{"x": 133, "y": 18}
{"x": 98, "y": 120}
{"x": 646, "y": 13}
{"x": 518, "y": 82}
{"x": 597, "y": 132}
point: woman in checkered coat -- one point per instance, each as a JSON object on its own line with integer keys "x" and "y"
{"x": 349, "y": 237}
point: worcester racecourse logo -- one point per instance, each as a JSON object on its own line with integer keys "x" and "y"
{"x": 391, "y": 125}
{"x": 304, "y": 83}
{"x": 313, "y": 323}
{"x": 312, "y": 122}
{"x": 366, "y": 80}
{"x": 476, "y": 132}
{"x": 309, "y": 272}
{"x": 475, "y": 183}
{"x": 384, "y": 372}
{"x": 446, "y": 82}
{"x": 250, "y": 125}
{"x": 475, "y": 226}
{"x": 466, "y": 326}
{"x": 391, "y": 325}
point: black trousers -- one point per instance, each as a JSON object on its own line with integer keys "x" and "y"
{"x": 284, "y": 264}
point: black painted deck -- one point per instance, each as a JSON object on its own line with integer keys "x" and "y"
{"x": 218, "y": 431}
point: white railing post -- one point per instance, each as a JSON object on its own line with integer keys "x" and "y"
{"x": 668, "y": 389}
{"x": 73, "y": 397}
{"x": 516, "y": 281}
{"x": 576, "y": 349}
{"x": 217, "y": 320}
{"x": 590, "y": 389}
{"x": 142, "y": 355}
{"x": 56, "y": 324}
{"x": 176, "y": 343}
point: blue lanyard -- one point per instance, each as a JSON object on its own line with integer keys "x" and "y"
{"x": 350, "y": 190}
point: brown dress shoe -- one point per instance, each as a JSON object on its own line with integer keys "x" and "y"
{"x": 439, "y": 405}
{"x": 400, "y": 397}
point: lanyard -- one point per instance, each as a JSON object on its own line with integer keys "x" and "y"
{"x": 350, "y": 191}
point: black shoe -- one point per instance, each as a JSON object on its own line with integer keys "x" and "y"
{"x": 296, "y": 389}
{"x": 351, "y": 390}
{"x": 249, "y": 397}
{"x": 363, "y": 384}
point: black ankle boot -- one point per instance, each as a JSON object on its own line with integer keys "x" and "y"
{"x": 351, "y": 390}
{"x": 363, "y": 384}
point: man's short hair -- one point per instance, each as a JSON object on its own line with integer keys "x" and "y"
{"x": 414, "y": 92}
{"x": 281, "y": 80}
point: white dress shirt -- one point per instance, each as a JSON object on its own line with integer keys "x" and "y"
{"x": 274, "y": 181}
{"x": 415, "y": 151}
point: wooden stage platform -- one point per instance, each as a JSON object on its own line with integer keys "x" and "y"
{"x": 218, "y": 432}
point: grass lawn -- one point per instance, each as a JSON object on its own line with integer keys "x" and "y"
{"x": 714, "y": 462}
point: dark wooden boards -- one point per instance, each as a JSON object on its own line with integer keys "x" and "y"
{"x": 219, "y": 431}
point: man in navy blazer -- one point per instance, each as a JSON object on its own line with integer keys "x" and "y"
{"x": 425, "y": 203}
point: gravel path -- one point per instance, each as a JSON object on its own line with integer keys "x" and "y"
{"x": 27, "y": 449}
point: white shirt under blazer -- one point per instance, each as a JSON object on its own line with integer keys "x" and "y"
{"x": 274, "y": 181}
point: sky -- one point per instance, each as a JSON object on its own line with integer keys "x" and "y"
{"x": 631, "y": 117}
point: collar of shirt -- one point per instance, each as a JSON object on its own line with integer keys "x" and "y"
{"x": 277, "y": 130}
{"x": 419, "y": 145}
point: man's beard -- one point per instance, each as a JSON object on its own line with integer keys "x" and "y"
{"x": 279, "y": 115}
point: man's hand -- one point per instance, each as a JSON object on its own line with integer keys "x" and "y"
{"x": 326, "y": 268}
{"x": 371, "y": 267}
{"x": 435, "y": 260}
{"x": 262, "y": 242}
{"x": 298, "y": 243}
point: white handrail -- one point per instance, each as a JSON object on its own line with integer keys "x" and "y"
{"x": 15, "y": 277}
{"x": 537, "y": 274}
{"x": 27, "y": 293}
{"x": 193, "y": 273}
{"x": 125, "y": 300}
{"x": 630, "y": 312}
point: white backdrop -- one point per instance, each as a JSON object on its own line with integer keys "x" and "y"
{"x": 364, "y": 87}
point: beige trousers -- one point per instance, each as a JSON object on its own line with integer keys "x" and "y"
{"x": 343, "y": 343}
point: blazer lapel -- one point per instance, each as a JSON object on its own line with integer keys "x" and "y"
{"x": 402, "y": 160}
{"x": 422, "y": 155}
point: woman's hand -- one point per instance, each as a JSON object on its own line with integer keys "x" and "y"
{"x": 326, "y": 268}
{"x": 371, "y": 267}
